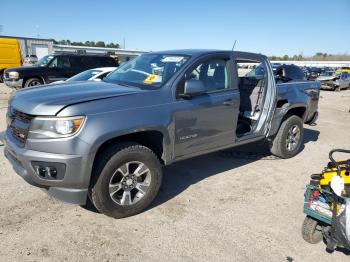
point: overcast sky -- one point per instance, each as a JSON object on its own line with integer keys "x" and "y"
{"x": 273, "y": 27}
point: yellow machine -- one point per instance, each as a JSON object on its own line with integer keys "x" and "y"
{"x": 329, "y": 173}
{"x": 334, "y": 168}
{"x": 344, "y": 69}
{"x": 10, "y": 54}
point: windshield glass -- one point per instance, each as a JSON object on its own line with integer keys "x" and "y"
{"x": 45, "y": 60}
{"x": 84, "y": 76}
{"x": 148, "y": 70}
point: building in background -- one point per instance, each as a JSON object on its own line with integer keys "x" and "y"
{"x": 33, "y": 46}
{"x": 40, "y": 47}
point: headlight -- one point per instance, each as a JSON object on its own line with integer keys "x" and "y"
{"x": 13, "y": 75}
{"x": 55, "y": 127}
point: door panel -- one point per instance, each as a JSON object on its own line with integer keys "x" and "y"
{"x": 206, "y": 122}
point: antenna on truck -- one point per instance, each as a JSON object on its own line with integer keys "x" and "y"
{"x": 234, "y": 44}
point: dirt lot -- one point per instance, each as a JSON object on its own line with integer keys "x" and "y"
{"x": 211, "y": 208}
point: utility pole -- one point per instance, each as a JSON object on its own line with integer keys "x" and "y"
{"x": 37, "y": 31}
{"x": 124, "y": 43}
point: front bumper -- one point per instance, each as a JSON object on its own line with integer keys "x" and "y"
{"x": 72, "y": 188}
{"x": 14, "y": 83}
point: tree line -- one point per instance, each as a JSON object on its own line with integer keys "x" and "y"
{"x": 87, "y": 43}
{"x": 319, "y": 56}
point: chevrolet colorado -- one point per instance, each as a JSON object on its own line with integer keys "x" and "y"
{"x": 106, "y": 142}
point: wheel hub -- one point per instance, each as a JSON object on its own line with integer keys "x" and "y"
{"x": 129, "y": 182}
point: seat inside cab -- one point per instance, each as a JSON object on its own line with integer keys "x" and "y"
{"x": 252, "y": 86}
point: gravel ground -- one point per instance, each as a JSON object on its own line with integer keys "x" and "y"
{"x": 218, "y": 207}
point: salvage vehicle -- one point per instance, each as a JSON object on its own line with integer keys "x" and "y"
{"x": 96, "y": 74}
{"x": 106, "y": 142}
{"x": 312, "y": 72}
{"x": 337, "y": 81}
{"x": 53, "y": 68}
{"x": 10, "y": 55}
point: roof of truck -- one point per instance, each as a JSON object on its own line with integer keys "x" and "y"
{"x": 197, "y": 52}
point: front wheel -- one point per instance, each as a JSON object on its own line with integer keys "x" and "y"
{"x": 126, "y": 179}
{"x": 289, "y": 138}
{"x": 311, "y": 231}
{"x": 33, "y": 82}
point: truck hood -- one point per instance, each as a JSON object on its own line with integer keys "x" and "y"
{"x": 50, "y": 99}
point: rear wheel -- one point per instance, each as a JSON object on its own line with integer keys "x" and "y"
{"x": 126, "y": 179}
{"x": 33, "y": 82}
{"x": 289, "y": 138}
{"x": 312, "y": 231}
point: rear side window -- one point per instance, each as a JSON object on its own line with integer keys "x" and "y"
{"x": 89, "y": 62}
{"x": 98, "y": 61}
{"x": 75, "y": 61}
{"x": 107, "y": 62}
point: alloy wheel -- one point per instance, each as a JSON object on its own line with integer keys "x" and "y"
{"x": 293, "y": 138}
{"x": 129, "y": 183}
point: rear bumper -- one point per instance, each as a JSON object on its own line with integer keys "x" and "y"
{"x": 14, "y": 83}
{"x": 71, "y": 189}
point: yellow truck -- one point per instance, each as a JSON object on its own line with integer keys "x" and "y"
{"x": 10, "y": 55}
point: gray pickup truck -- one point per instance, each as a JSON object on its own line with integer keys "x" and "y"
{"x": 106, "y": 142}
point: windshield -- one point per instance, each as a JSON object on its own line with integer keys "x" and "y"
{"x": 45, "y": 60}
{"x": 149, "y": 70}
{"x": 84, "y": 76}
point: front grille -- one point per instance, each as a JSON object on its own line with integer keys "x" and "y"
{"x": 22, "y": 116}
{"x": 19, "y": 124}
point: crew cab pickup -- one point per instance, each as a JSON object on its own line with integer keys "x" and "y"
{"x": 105, "y": 142}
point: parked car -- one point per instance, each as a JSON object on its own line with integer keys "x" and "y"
{"x": 30, "y": 60}
{"x": 313, "y": 72}
{"x": 53, "y": 68}
{"x": 107, "y": 141}
{"x": 337, "y": 81}
{"x": 10, "y": 55}
{"x": 96, "y": 74}
{"x": 345, "y": 69}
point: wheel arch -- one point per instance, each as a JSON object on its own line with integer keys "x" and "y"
{"x": 152, "y": 139}
{"x": 35, "y": 76}
{"x": 283, "y": 111}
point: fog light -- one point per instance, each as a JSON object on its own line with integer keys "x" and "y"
{"x": 50, "y": 171}
{"x": 41, "y": 171}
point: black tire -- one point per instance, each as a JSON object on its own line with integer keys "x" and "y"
{"x": 33, "y": 82}
{"x": 278, "y": 145}
{"x": 1, "y": 76}
{"x": 106, "y": 167}
{"x": 311, "y": 231}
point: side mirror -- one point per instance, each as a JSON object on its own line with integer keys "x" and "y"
{"x": 193, "y": 88}
{"x": 97, "y": 79}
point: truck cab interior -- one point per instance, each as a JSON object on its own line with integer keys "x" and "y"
{"x": 252, "y": 83}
